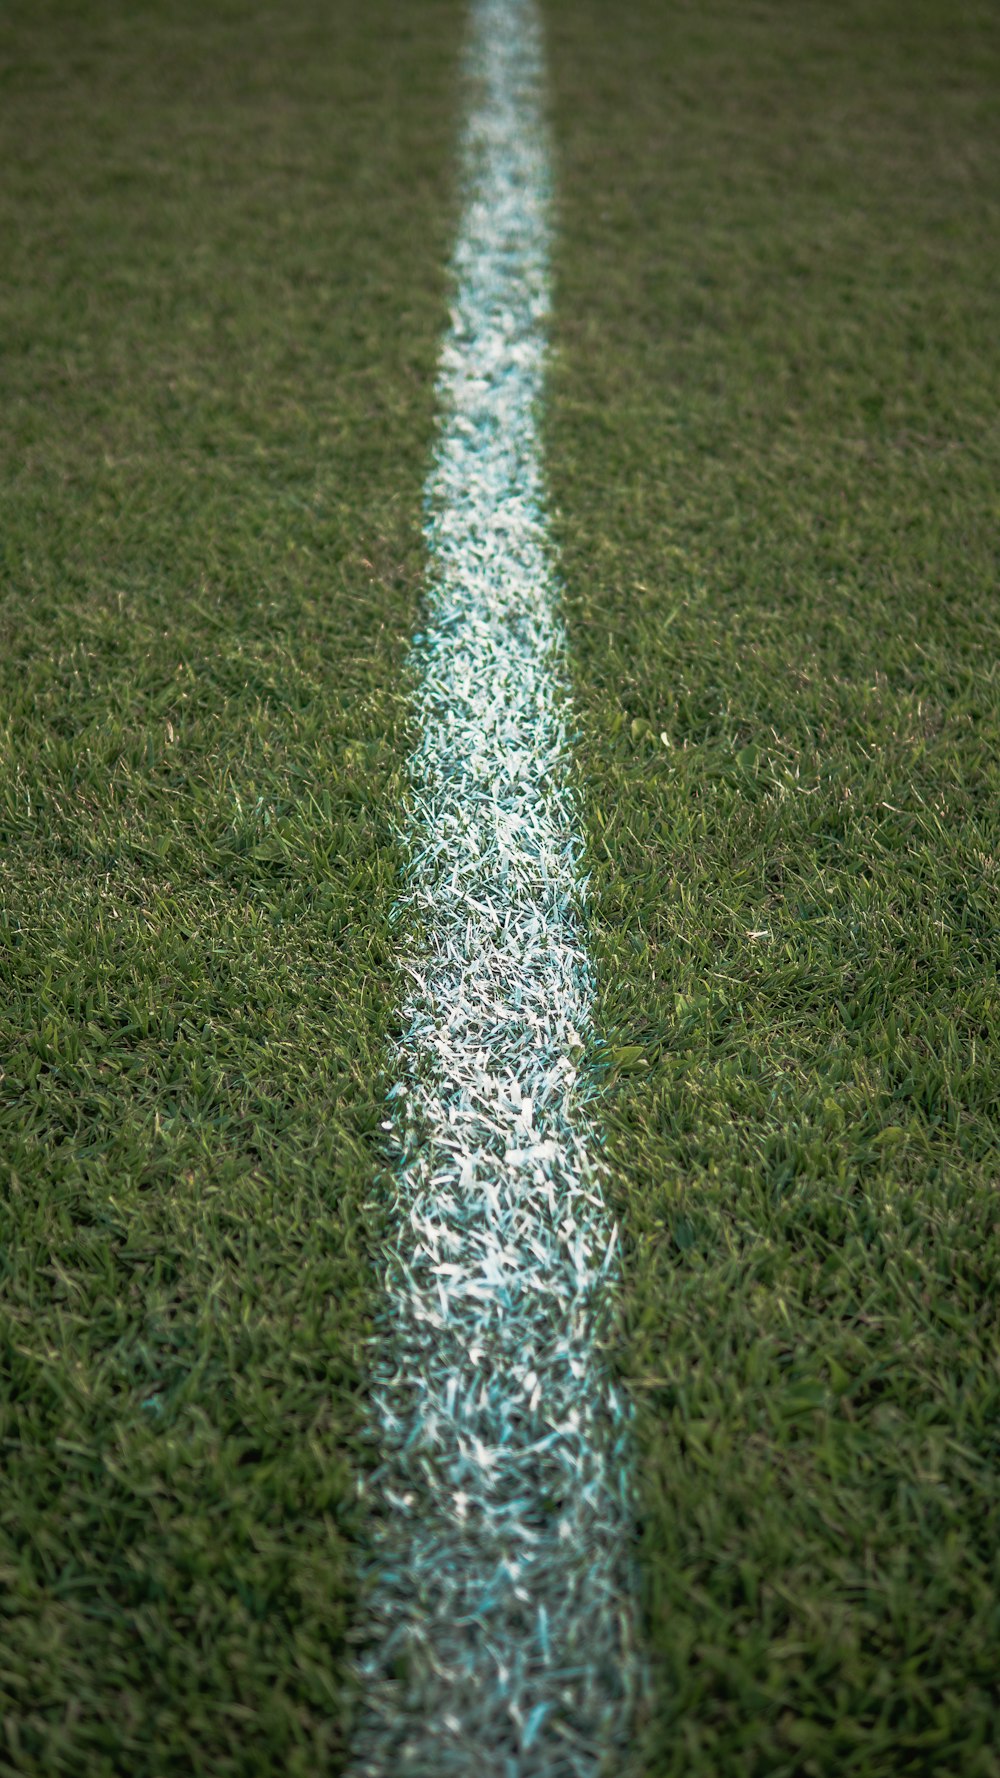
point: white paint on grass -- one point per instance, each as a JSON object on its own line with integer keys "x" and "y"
{"x": 501, "y": 1640}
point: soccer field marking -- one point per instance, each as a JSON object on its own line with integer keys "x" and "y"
{"x": 500, "y": 1615}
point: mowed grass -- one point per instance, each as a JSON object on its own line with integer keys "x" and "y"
{"x": 773, "y": 447}
{"x": 225, "y": 237}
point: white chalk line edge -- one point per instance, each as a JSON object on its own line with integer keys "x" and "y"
{"x": 500, "y": 1614}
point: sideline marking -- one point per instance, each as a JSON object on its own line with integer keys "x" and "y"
{"x": 500, "y": 1611}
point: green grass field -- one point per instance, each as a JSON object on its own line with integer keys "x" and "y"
{"x": 774, "y": 458}
{"x": 224, "y": 296}
{"x": 774, "y": 449}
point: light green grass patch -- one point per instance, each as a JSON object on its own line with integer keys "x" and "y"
{"x": 773, "y": 448}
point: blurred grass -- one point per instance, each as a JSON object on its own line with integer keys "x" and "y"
{"x": 773, "y": 446}
{"x": 225, "y": 232}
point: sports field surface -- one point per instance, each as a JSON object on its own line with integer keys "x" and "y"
{"x": 770, "y": 449}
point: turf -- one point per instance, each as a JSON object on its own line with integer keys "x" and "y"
{"x": 773, "y": 448}
{"x": 225, "y": 237}
{"x": 774, "y": 452}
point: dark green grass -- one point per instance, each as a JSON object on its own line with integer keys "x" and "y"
{"x": 225, "y": 232}
{"x": 773, "y": 446}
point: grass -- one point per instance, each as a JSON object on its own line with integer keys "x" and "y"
{"x": 773, "y": 448}
{"x": 774, "y": 451}
{"x": 226, "y": 237}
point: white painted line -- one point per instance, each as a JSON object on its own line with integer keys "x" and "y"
{"x": 500, "y": 1610}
